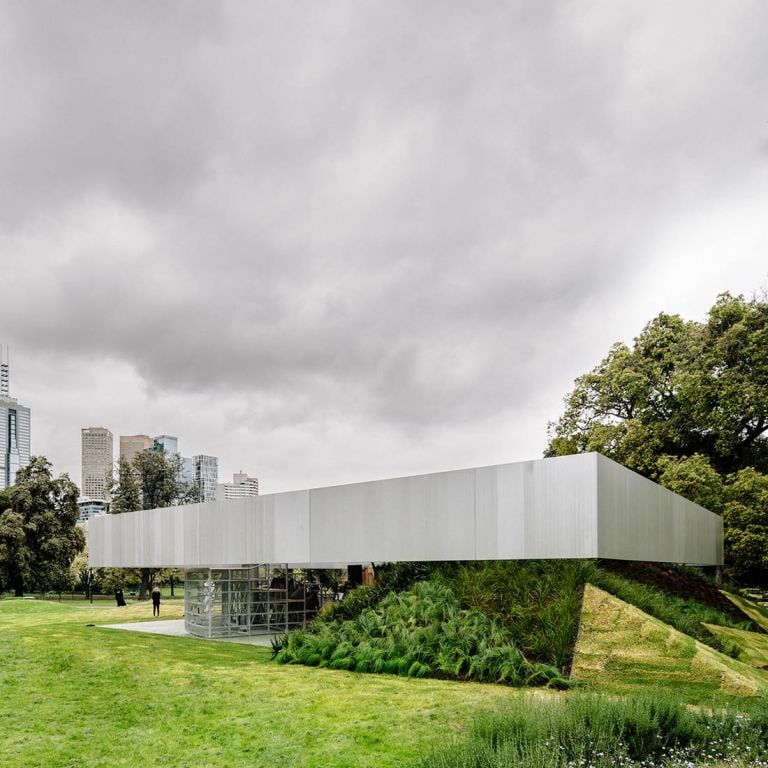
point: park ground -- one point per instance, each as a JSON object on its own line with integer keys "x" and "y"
{"x": 73, "y": 693}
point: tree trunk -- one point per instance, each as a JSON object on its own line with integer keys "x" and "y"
{"x": 145, "y": 583}
{"x": 16, "y": 583}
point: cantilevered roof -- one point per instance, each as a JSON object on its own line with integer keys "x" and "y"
{"x": 582, "y": 506}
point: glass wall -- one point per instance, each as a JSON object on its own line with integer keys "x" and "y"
{"x": 256, "y": 599}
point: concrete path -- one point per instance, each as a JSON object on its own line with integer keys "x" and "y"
{"x": 175, "y": 627}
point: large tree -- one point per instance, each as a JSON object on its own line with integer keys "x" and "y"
{"x": 151, "y": 480}
{"x": 39, "y": 536}
{"x": 687, "y": 406}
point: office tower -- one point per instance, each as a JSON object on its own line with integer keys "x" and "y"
{"x": 97, "y": 462}
{"x": 15, "y": 423}
{"x": 240, "y": 487}
{"x": 206, "y": 476}
{"x": 130, "y": 445}
{"x": 186, "y": 470}
{"x": 166, "y": 444}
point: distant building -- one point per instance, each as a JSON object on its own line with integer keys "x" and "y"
{"x": 15, "y": 423}
{"x": 206, "y": 470}
{"x": 97, "y": 462}
{"x": 240, "y": 487}
{"x": 186, "y": 470}
{"x": 201, "y": 469}
{"x": 166, "y": 444}
{"x": 130, "y": 445}
{"x": 90, "y": 508}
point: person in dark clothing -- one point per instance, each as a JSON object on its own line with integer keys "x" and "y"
{"x": 156, "y": 601}
{"x": 119, "y": 598}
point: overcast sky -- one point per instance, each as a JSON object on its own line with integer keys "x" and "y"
{"x": 340, "y": 241}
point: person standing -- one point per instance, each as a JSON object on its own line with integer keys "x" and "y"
{"x": 156, "y": 600}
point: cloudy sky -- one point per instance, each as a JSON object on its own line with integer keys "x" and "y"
{"x": 339, "y": 241}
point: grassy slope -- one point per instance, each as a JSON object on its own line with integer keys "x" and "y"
{"x": 756, "y": 612}
{"x": 74, "y": 695}
{"x": 754, "y": 647}
{"x": 621, "y": 649}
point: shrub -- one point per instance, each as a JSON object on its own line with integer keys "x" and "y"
{"x": 418, "y": 633}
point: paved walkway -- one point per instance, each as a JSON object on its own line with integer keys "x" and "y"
{"x": 175, "y": 627}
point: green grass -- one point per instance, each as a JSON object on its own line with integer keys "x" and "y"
{"x": 78, "y": 695}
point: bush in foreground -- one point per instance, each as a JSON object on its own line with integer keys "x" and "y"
{"x": 421, "y": 632}
{"x": 584, "y": 731}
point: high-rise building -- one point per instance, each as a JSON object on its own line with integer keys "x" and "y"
{"x": 97, "y": 462}
{"x": 240, "y": 487}
{"x": 130, "y": 445}
{"x": 15, "y": 425}
{"x": 166, "y": 444}
{"x": 206, "y": 476}
{"x": 90, "y": 508}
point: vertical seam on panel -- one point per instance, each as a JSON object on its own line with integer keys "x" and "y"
{"x": 596, "y": 523}
{"x": 474, "y": 509}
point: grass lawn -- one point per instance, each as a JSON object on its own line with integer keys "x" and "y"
{"x": 621, "y": 649}
{"x": 77, "y": 695}
{"x": 74, "y": 694}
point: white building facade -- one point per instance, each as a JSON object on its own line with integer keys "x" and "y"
{"x": 572, "y": 507}
{"x": 582, "y": 506}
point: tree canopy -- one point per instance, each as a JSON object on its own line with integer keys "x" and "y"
{"x": 687, "y": 405}
{"x": 151, "y": 480}
{"x": 39, "y": 536}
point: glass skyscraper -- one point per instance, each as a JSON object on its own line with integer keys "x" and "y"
{"x": 14, "y": 431}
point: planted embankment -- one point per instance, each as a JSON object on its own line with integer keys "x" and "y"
{"x": 622, "y": 649}
{"x": 507, "y": 622}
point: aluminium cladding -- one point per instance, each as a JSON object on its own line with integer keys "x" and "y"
{"x": 582, "y": 506}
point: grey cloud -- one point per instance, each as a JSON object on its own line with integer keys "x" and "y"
{"x": 393, "y": 207}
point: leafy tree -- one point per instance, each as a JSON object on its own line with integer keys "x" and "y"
{"x": 125, "y": 490}
{"x": 686, "y": 405}
{"x": 151, "y": 480}
{"x": 746, "y": 525}
{"x": 39, "y": 536}
{"x": 694, "y": 478}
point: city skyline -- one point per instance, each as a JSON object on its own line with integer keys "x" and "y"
{"x": 325, "y": 246}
